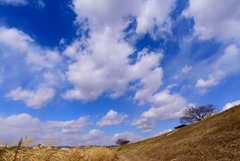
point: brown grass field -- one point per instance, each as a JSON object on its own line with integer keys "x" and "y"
{"x": 216, "y": 138}
{"x": 54, "y": 154}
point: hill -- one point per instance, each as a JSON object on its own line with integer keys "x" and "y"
{"x": 214, "y": 138}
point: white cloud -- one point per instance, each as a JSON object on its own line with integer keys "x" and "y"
{"x": 101, "y": 62}
{"x": 105, "y": 12}
{"x": 62, "y": 41}
{"x": 31, "y": 58}
{"x": 69, "y": 127}
{"x": 14, "y": 2}
{"x": 14, "y": 41}
{"x": 163, "y": 132}
{"x": 112, "y": 13}
{"x": 229, "y": 61}
{"x": 144, "y": 124}
{"x": 33, "y": 99}
{"x": 206, "y": 83}
{"x": 18, "y": 126}
{"x": 131, "y": 136}
{"x": 186, "y": 69}
{"x": 111, "y": 118}
{"x": 104, "y": 67}
{"x": 221, "y": 23}
{"x": 116, "y": 94}
{"x": 95, "y": 137}
{"x": 150, "y": 79}
{"x": 154, "y": 12}
{"x": 165, "y": 106}
{"x": 40, "y": 3}
{"x": 70, "y": 132}
{"x": 230, "y": 105}
{"x": 227, "y": 64}
{"x": 215, "y": 18}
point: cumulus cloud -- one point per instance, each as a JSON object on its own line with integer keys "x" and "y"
{"x": 227, "y": 64}
{"x": 104, "y": 66}
{"x": 101, "y": 63}
{"x": 70, "y": 132}
{"x": 69, "y": 127}
{"x": 222, "y": 22}
{"x": 165, "y": 106}
{"x": 206, "y": 83}
{"x": 15, "y": 39}
{"x": 32, "y": 58}
{"x": 112, "y": 13}
{"x": 186, "y": 69}
{"x": 154, "y": 12}
{"x": 95, "y": 137}
{"x": 230, "y": 105}
{"x": 111, "y": 118}
{"x": 33, "y": 99}
{"x": 105, "y": 12}
{"x": 18, "y": 126}
{"x": 144, "y": 124}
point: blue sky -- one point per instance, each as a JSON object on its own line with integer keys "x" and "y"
{"x": 90, "y": 72}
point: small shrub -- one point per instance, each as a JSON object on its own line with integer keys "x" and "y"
{"x": 122, "y": 141}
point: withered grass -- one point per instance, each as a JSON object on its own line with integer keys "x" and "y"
{"x": 23, "y": 153}
{"x": 214, "y": 138}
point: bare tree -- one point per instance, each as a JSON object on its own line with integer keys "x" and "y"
{"x": 197, "y": 113}
{"x": 122, "y": 141}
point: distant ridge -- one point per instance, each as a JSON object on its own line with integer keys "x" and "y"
{"x": 214, "y": 138}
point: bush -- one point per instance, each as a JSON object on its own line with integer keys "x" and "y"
{"x": 122, "y": 141}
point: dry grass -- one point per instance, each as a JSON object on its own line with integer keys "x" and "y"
{"x": 214, "y": 138}
{"x": 23, "y": 153}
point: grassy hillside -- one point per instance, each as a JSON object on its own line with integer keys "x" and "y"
{"x": 214, "y": 138}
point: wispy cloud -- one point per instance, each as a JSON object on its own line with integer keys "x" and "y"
{"x": 227, "y": 64}
{"x": 39, "y": 3}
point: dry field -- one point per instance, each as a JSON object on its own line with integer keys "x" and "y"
{"x": 215, "y": 138}
{"x": 22, "y": 152}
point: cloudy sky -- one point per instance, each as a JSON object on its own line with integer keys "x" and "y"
{"x": 90, "y": 72}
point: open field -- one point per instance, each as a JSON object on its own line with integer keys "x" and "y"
{"x": 88, "y": 153}
{"x": 214, "y": 138}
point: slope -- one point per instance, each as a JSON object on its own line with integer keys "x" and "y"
{"x": 214, "y": 138}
